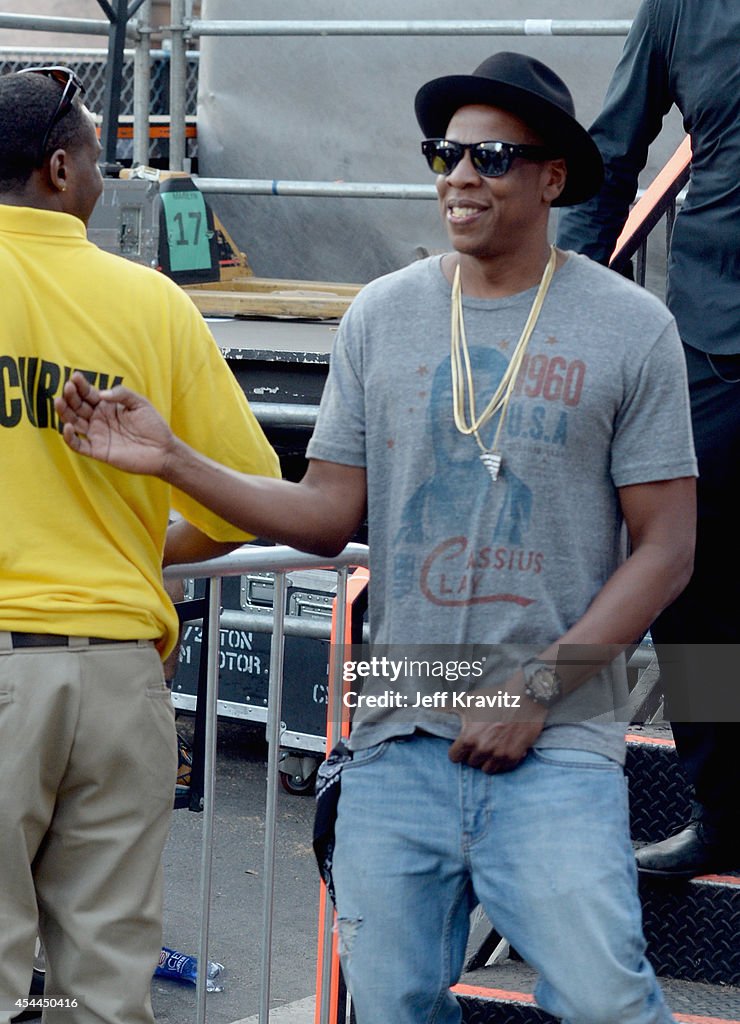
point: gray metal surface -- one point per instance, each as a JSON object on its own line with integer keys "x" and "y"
{"x": 125, "y": 221}
{"x": 269, "y": 339}
{"x": 340, "y": 109}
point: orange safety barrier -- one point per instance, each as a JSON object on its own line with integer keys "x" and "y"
{"x": 335, "y": 730}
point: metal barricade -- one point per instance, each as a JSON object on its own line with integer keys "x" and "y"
{"x": 278, "y": 560}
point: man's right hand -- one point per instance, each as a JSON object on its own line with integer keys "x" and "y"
{"x": 320, "y": 513}
{"x": 116, "y": 426}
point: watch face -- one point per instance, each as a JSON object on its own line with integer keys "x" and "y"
{"x": 542, "y": 683}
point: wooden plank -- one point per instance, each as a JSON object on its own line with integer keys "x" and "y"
{"x": 251, "y": 283}
{"x": 296, "y": 304}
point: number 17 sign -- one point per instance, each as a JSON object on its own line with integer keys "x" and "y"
{"x": 188, "y": 230}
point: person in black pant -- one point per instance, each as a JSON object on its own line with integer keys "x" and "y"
{"x": 683, "y": 52}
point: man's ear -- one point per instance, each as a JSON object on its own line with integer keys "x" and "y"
{"x": 58, "y": 170}
{"x": 555, "y": 173}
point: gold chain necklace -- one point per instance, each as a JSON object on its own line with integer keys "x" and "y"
{"x": 463, "y": 387}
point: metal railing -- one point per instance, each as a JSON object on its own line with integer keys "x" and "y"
{"x": 184, "y": 28}
{"x": 436, "y": 27}
{"x": 47, "y": 23}
{"x": 325, "y": 189}
{"x": 197, "y": 28}
{"x": 657, "y": 201}
{"x": 278, "y": 560}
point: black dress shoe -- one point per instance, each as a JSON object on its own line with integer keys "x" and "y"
{"x": 684, "y": 855}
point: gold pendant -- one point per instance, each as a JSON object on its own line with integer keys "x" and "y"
{"x": 492, "y": 462}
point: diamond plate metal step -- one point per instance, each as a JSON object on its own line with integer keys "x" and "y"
{"x": 502, "y": 994}
{"x": 693, "y": 929}
{"x": 658, "y": 791}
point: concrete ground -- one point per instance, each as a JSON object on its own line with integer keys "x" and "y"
{"x": 237, "y": 905}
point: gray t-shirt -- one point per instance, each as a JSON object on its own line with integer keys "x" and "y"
{"x": 455, "y": 558}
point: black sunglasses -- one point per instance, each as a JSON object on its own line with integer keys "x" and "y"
{"x": 71, "y": 87}
{"x": 490, "y": 159}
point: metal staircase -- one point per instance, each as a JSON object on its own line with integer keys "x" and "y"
{"x": 692, "y": 928}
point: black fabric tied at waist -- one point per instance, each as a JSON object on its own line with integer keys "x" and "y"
{"x": 328, "y": 784}
{"x": 56, "y": 640}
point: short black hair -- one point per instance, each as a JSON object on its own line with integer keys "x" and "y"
{"x": 27, "y": 105}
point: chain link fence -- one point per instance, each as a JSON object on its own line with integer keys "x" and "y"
{"x": 90, "y": 65}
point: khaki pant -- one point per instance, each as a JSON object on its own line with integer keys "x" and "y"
{"x": 88, "y": 760}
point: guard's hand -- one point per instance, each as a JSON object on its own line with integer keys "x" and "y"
{"x": 496, "y": 747}
{"x": 116, "y": 426}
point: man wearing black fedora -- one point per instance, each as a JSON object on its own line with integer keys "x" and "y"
{"x": 503, "y": 412}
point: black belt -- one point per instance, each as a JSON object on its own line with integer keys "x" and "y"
{"x": 56, "y": 640}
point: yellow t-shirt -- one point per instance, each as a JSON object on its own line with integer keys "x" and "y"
{"x": 81, "y": 543}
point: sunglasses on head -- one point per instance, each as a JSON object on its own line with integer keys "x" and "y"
{"x": 71, "y": 87}
{"x": 490, "y": 159}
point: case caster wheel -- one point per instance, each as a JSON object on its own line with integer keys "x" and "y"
{"x": 298, "y": 786}
{"x": 298, "y": 773}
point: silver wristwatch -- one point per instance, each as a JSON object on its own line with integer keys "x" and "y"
{"x": 542, "y": 683}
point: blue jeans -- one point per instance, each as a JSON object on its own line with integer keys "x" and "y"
{"x": 544, "y": 848}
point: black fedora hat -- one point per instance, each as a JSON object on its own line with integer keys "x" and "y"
{"x": 529, "y": 89}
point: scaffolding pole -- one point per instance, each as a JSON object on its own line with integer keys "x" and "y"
{"x": 142, "y": 84}
{"x": 178, "y": 85}
{"x": 36, "y": 23}
{"x": 523, "y": 27}
{"x": 325, "y": 189}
